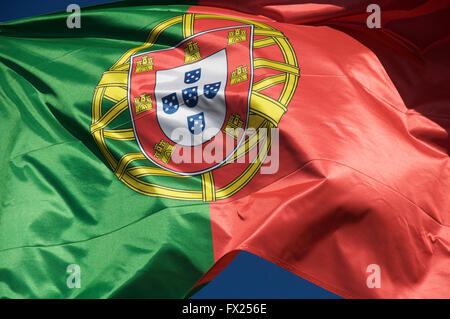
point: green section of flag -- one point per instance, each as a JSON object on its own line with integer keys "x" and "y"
{"x": 60, "y": 202}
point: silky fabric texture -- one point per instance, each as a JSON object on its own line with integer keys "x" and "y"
{"x": 60, "y": 202}
{"x": 364, "y": 173}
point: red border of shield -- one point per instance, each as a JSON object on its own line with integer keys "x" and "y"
{"x": 145, "y": 125}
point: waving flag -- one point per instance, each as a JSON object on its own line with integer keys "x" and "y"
{"x": 327, "y": 142}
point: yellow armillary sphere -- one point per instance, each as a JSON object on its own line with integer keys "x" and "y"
{"x": 144, "y": 171}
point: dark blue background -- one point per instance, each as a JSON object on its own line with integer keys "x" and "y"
{"x": 247, "y": 276}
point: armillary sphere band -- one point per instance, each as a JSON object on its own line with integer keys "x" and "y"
{"x": 265, "y": 112}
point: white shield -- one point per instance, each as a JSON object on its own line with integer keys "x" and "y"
{"x": 209, "y": 111}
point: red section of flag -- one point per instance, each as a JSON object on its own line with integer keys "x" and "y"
{"x": 364, "y": 174}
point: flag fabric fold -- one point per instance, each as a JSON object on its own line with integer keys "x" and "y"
{"x": 362, "y": 153}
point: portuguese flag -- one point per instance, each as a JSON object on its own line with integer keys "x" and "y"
{"x": 327, "y": 142}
